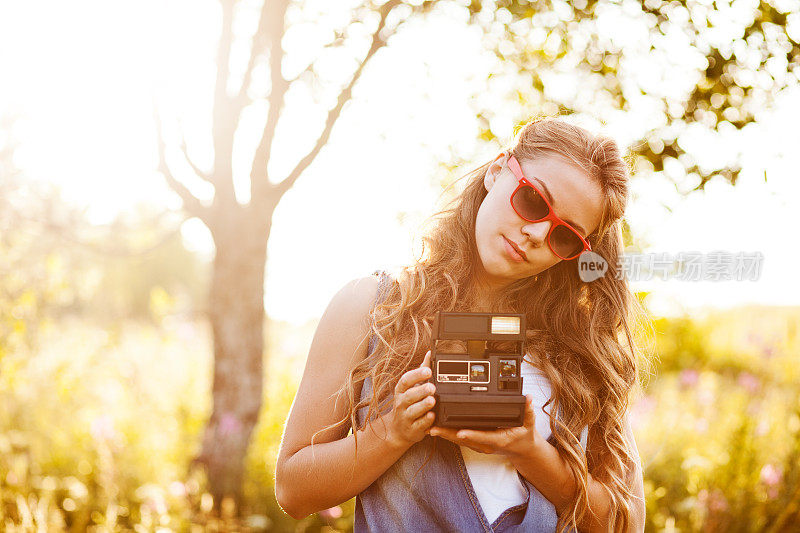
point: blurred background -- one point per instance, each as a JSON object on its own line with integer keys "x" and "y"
{"x": 184, "y": 185}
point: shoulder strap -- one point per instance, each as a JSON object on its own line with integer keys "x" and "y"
{"x": 384, "y": 283}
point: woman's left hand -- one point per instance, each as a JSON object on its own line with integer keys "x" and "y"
{"x": 513, "y": 442}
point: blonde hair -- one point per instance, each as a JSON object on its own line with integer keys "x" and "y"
{"x": 575, "y": 329}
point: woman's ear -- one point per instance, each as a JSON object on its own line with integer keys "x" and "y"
{"x": 494, "y": 169}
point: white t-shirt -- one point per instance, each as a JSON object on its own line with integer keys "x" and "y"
{"x": 493, "y": 477}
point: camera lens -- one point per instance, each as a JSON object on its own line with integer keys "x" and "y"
{"x": 479, "y": 372}
{"x": 508, "y": 368}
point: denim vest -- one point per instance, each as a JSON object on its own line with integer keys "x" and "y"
{"x": 428, "y": 488}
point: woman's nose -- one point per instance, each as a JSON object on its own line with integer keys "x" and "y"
{"x": 537, "y": 232}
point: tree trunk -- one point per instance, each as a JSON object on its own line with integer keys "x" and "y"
{"x": 241, "y": 232}
{"x": 237, "y": 318}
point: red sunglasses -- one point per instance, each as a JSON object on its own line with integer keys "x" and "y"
{"x": 529, "y": 203}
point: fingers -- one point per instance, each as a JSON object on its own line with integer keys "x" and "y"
{"x": 411, "y": 378}
{"x": 529, "y": 419}
{"x": 469, "y": 436}
{"x": 415, "y": 394}
{"x": 447, "y": 433}
{"x": 423, "y": 422}
{"x": 456, "y": 433}
{"x": 472, "y": 436}
{"x": 421, "y": 407}
{"x": 426, "y": 362}
{"x": 453, "y": 435}
{"x": 413, "y": 401}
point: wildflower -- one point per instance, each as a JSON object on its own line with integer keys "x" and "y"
{"x": 177, "y": 489}
{"x": 771, "y": 476}
{"x": 689, "y": 378}
{"x": 102, "y": 428}
{"x": 333, "y": 513}
{"x": 714, "y": 501}
{"x": 229, "y": 424}
{"x": 749, "y": 382}
{"x": 640, "y": 411}
{"x": 705, "y": 396}
{"x": 717, "y": 501}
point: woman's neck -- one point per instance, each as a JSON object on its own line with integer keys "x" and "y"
{"x": 488, "y": 290}
{"x": 487, "y": 298}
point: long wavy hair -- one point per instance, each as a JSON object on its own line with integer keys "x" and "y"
{"x": 579, "y": 333}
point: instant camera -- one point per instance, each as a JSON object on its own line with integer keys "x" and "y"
{"x": 480, "y": 389}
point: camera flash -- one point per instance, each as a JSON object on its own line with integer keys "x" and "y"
{"x": 505, "y": 324}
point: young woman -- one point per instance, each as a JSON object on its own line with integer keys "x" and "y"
{"x": 509, "y": 243}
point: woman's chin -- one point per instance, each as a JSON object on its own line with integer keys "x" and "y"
{"x": 504, "y": 271}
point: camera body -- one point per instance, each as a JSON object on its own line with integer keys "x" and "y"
{"x": 480, "y": 389}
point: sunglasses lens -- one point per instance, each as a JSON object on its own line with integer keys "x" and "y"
{"x": 565, "y": 242}
{"x": 529, "y": 204}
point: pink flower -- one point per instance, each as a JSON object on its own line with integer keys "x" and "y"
{"x": 717, "y": 501}
{"x": 331, "y": 514}
{"x": 229, "y": 424}
{"x": 705, "y": 396}
{"x": 749, "y": 382}
{"x": 771, "y": 476}
{"x": 714, "y": 500}
{"x": 178, "y": 489}
{"x": 689, "y": 377}
{"x": 640, "y": 410}
{"x": 103, "y": 428}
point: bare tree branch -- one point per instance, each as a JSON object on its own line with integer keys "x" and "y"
{"x": 224, "y": 121}
{"x": 190, "y": 203}
{"x": 309, "y": 68}
{"x": 378, "y": 41}
{"x": 258, "y": 46}
{"x": 197, "y": 170}
{"x": 338, "y": 40}
{"x": 279, "y": 86}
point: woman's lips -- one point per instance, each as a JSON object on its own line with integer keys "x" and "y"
{"x": 514, "y": 252}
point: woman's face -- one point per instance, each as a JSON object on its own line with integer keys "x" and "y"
{"x": 576, "y": 198}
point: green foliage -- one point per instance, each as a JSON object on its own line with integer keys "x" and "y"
{"x": 148, "y": 285}
{"x": 101, "y": 430}
{"x": 739, "y": 59}
{"x": 753, "y": 339}
{"x": 718, "y": 455}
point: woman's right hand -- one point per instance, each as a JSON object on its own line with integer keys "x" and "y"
{"x": 409, "y": 420}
